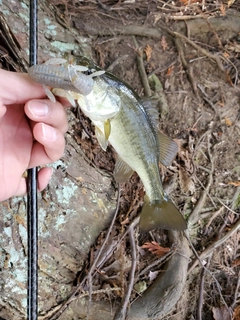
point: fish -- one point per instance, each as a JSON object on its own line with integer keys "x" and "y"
{"x": 130, "y": 125}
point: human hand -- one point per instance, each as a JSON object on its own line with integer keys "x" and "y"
{"x": 31, "y": 132}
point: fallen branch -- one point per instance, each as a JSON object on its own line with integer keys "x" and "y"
{"x": 186, "y": 65}
{"x": 142, "y": 70}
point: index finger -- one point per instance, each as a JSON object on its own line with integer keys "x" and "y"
{"x": 18, "y": 88}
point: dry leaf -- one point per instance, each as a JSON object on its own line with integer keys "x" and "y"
{"x": 234, "y": 183}
{"x": 221, "y": 104}
{"x": 187, "y": 2}
{"x": 221, "y": 313}
{"x": 236, "y": 313}
{"x": 155, "y": 248}
{"x": 230, "y": 2}
{"x": 223, "y": 9}
{"x": 148, "y": 52}
{"x": 226, "y": 55}
{"x": 236, "y": 263}
{"x": 169, "y": 71}
{"x": 186, "y": 182}
{"x": 228, "y": 122}
{"x": 163, "y": 43}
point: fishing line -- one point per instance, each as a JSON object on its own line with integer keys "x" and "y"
{"x": 32, "y": 209}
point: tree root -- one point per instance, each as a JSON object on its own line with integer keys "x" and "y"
{"x": 228, "y": 26}
{"x": 159, "y": 299}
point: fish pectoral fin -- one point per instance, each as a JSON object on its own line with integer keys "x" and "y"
{"x": 49, "y": 94}
{"x": 107, "y": 128}
{"x": 161, "y": 215}
{"x": 69, "y": 95}
{"x": 101, "y": 137}
{"x": 168, "y": 149}
{"x": 122, "y": 171}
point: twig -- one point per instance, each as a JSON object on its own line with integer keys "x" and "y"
{"x": 226, "y": 206}
{"x": 142, "y": 70}
{"x": 103, "y": 6}
{"x": 206, "y": 253}
{"x": 215, "y": 33}
{"x": 186, "y": 65}
{"x": 186, "y": 17}
{"x": 213, "y": 216}
{"x": 92, "y": 269}
{"x": 194, "y": 45}
{"x": 121, "y": 314}
{"x": 158, "y": 262}
{"x": 205, "y": 97}
{"x": 236, "y": 70}
{"x": 236, "y": 293}
{"x": 201, "y": 290}
{"x": 117, "y": 61}
{"x": 162, "y": 69}
{"x": 199, "y": 258}
{"x": 194, "y": 216}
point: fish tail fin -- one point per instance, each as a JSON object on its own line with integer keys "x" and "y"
{"x": 163, "y": 215}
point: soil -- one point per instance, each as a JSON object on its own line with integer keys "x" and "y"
{"x": 193, "y": 51}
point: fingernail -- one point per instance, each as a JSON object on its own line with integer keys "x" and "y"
{"x": 49, "y": 133}
{"x": 38, "y": 108}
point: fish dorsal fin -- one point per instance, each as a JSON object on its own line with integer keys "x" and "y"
{"x": 122, "y": 171}
{"x": 168, "y": 149}
{"x": 152, "y": 113}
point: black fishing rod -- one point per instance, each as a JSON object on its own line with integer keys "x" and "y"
{"x": 32, "y": 203}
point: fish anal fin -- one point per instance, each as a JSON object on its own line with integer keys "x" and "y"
{"x": 122, "y": 171}
{"x": 168, "y": 149}
{"x": 161, "y": 215}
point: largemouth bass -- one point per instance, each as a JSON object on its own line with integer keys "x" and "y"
{"x": 130, "y": 125}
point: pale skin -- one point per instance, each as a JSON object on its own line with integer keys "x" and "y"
{"x": 31, "y": 132}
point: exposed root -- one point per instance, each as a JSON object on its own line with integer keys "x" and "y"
{"x": 159, "y": 299}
